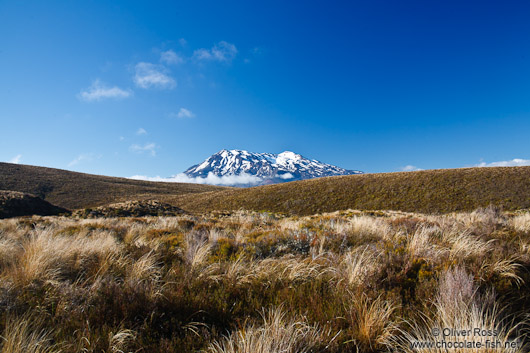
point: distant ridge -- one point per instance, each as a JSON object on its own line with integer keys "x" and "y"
{"x": 430, "y": 191}
{"x": 74, "y": 190}
{"x": 263, "y": 168}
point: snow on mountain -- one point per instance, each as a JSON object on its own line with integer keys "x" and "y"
{"x": 262, "y": 168}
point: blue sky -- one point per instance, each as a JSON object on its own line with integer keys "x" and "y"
{"x": 150, "y": 88}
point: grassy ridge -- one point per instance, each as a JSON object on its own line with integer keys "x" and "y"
{"x": 78, "y": 190}
{"x": 430, "y": 191}
{"x": 434, "y": 191}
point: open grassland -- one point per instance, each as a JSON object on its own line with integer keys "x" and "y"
{"x": 430, "y": 191}
{"x": 73, "y": 190}
{"x": 262, "y": 283}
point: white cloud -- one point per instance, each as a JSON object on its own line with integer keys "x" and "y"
{"x": 98, "y": 91}
{"x": 85, "y": 157}
{"x": 184, "y": 113}
{"x": 286, "y": 176}
{"x": 16, "y": 159}
{"x": 147, "y": 148}
{"x": 211, "y": 179}
{"x": 149, "y": 75}
{"x": 516, "y": 162}
{"x": 222, "y": 51}
{"x": 202, "y": 54}
{"x": 183, "y": 42}
{"x": 169, "y": 57}
{"x": 141, "y": 131}
{"x": 410, "y": 168}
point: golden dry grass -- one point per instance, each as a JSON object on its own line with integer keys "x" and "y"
{"x": 431, "y": 191}
{"x": 73, "y": 190}
{"x": 25, "y": 335}
{"x": 346, "y": 281}
{"x": 276, "y": 334}
{"x": 462, "y": 317}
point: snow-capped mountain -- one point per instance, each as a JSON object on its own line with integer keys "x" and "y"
{"x": 263, "y": 168}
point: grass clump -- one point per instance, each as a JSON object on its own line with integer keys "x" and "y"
{"x": 275, "y": 334}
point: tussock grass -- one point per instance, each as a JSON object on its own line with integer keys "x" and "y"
{"x": 25, "y": 335}
{"x": 521, "y": 222}
{"x": 463, "y": 310}
{"x": 467, "y": 318}
{"x": 346, "y": 281}
{"x": 462, "y": 244}
{"x": 371, "y": 321}
{"x": 505, "y": 268}
{"x": 358, "y": 265}
{"x": 145, "y": 269}
{"x": 364, "y": 227}
{"x": 44, "y": 256}
{"x": 422, "y": 243}
{"x": 287, "y": 269}
{"x": 114, "y": 342}
{"x": 276, "y": 334}
{"x": 197, "y": 249}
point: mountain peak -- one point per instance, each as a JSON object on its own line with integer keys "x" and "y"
{"x": 225, "y": 152}
{"x": 290, "y": 155}
{"x": 263, "y": 168}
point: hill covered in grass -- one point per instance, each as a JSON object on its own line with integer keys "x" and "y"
{"x": 432, "y": 191}
{"x": 73, "y": 190}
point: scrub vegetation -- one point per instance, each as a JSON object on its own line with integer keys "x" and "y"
{"x": 428, "y": 191}
{"x": 347, "y": 281}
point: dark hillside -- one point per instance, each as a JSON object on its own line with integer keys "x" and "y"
{"x": 73, "y": 190}
{"x": 15, "y": 204}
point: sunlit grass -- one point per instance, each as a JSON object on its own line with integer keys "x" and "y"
{"x": 259, "y": 282}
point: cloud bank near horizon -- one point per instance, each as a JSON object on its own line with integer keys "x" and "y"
{"x": 16, "y": 159}
{"x": 516, "y": 162}
{"x": 248, "y": 179}
{"x": 211, "y": 179}
{"x": 410, "y": 168}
